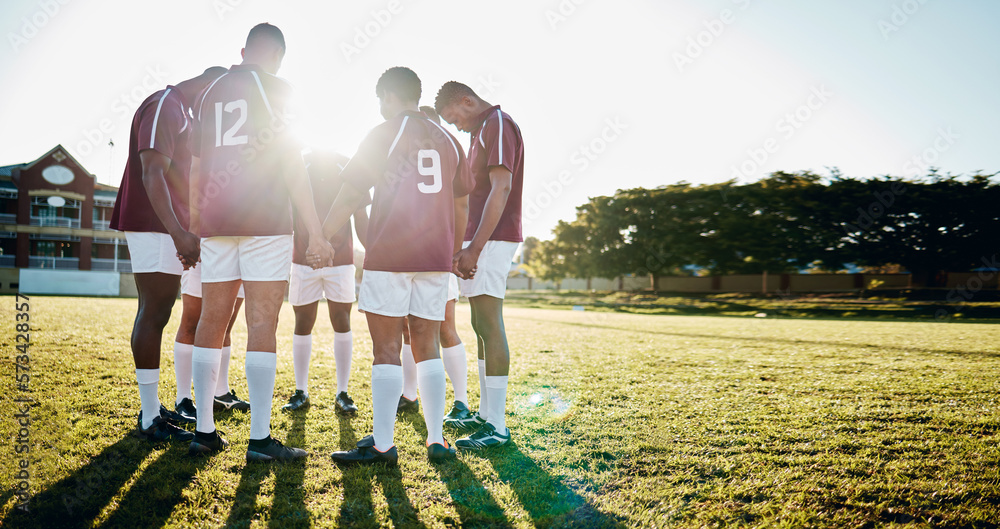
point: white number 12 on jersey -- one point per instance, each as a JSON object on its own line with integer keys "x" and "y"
{"x": 230, "y": 137}
{"x": 434, "y": 170}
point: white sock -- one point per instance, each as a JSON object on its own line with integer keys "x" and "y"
{"x": 343, "y": 348}
{"x": 387, "y": 386}
{"x": 222, "y": 382}
{"x": 149, "y": 380}
{"x": 205, "y": 370}
{"x": 496, "y": 387}
{"x": 301, "y": 351}
{"x": 484, "y": 398}
{"x": 182, "y": 368}
{"x": 261, "y": 367}
{"x": 458, "y": 371}
{"x": 409, "y": 373}
{"x": 430, "y": 374}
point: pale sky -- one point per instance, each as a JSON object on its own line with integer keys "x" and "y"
{"x": 608, "y": 95}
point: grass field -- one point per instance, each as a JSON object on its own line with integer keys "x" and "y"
{"x": 617, "y": 420}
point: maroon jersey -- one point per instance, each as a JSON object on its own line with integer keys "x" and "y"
{"x": 497, "y": 142}
{"x": 161, "y": 124}
{"x": 325, "y": 180}
{"x": 417, "y": 169}
{"x": 244, "y": 145}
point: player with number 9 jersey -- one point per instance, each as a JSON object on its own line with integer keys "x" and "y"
{"x": 417, "y": 169}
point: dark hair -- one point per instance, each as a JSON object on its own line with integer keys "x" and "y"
{"x": 431, "y": 114}
{"x": 451, "y": 92}
{"x": 401, "y": 81}
{"x": 265, "y": 31}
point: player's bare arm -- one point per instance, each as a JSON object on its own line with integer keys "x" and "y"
{"x": 461, "y": 220}
{"x": 154, "y": 170}
{"x": 500, "y": 184}
{"x": 299, "y": 191}
{"x": 361, "y": 224}
{"x": 347, "y": 203}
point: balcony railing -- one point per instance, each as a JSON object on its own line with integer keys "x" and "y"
{"x": 108, "y": 265}
{"x": 102, "y": 224}
{"x": 6, "y": 261}
{"x": 8, "y": 218}
{"x": 62, "y": 222}
{"x": 55, "y": 263}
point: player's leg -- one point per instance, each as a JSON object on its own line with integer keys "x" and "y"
{"x": 264, "y": 267}
{"x": 480, "y": 366}
{"x": 457, "y": 368}
{"x": 486, "y": 292}
{"x": 384, "y": 298}
{"x": 343, "y": 351}
{"x": 304, "y": 292}
{"x": 427, "y": 310}
{"x": 305, "y": 320}
{"x": 220, "y": 282}
{"x": 408, "y": 401}
{"x": 157, "y": 278}
{"x": 183, "y": 346}
{"x": 225, "y": 397}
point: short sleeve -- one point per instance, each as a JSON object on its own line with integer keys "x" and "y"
{"x": 499, "y": 139}
{"x": 160, "y": 125}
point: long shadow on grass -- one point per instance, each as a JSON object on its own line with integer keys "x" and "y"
{"x": 288, "y": 507}
{"x": 548, "y": 501}
{"x": 796, "y": 342}
{"x": 153, "y": 497}
{"x": 357, "y": 509}
{"x": 475, "y": 505}
{"x": 78, "y": 498}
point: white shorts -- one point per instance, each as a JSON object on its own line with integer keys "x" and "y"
{"x": 335, "y": 283}
{"x": 247, "y": 258}
{"x": 152, "y": 251}
{"x": 453, "y": 290}
{"x": 493, "y": 268}
{"x": 398, "y": 294}
{"x": 191, "y": 283}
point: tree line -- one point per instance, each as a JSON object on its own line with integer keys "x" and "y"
{"x": 785, "y": 223}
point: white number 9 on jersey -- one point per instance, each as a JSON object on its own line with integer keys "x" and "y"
{"x": 433, "y": 170}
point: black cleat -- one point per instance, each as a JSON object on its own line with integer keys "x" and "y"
{"x": 185, "y": 408}
{"x": 174, "y": 417}
{"x": 230, "y": 401}
{"x": 345, "y": 404}
{"x": 271, "y": 449}
{"x": 207, "y": 443}
{"x": 485, "y": 437}
{"x": 407, "y": 405}
{"x": 367, "y": 441}
{"x": 366, "y": 455}
{"x": 460, "y": 418}
{"x": 297, "y": 401}
{"x": 162, "y": 430}
{"x": 439, "y": 453}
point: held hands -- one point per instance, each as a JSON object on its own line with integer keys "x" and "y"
{"x": 319, "y": 254}
{"x": 188, "y": 249}
{"x": 463, "y": 264}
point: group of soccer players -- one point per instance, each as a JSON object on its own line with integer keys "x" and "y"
{"x": 217, "y": 200}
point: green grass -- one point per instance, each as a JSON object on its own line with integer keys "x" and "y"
{"x": 617, "y": 420}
